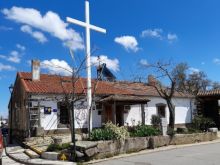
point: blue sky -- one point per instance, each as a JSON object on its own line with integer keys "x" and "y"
{"x": 142, "y": 31}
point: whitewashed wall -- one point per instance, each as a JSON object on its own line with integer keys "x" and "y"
{"x": 81, "y": 114}
{"x": 133, "y": 117}
{"x": 96, "y": 119}
{"x": 48, "y": 121}
{"x": 183, "y": 109}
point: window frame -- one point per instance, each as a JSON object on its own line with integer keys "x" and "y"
{"x": 159, "y": 105}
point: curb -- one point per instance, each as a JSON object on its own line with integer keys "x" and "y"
{"x": 149, "y": 151}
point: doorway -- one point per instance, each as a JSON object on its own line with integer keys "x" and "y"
{"x": 120, "y": 115}
{"x": 64, "y": 114}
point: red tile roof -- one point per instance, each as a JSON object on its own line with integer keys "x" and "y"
{"x": 215, "y": 92}
{"x": 54, "y": 84}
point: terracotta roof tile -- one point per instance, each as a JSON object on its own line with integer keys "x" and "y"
{"x": 53, "y": 84}
{"x": 215, "y": 92}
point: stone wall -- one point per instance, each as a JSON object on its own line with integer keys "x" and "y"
{"x": 18, "y": 122}
{"x": 110, "y": 148}
{"x": 87, "y": 150}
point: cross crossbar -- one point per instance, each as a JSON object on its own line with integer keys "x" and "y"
{"x": 93, "y": 27}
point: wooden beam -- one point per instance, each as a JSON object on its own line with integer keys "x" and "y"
{"x": 142, "y": 114}
{"x": 114, "y": 113}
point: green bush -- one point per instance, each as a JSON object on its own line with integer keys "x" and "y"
{"x": 109, "y": 132}
{"x": 57, "y": 147}
{"x": 170, "y": 131}
{"x": 181, "y": 130}
{"x": 101, "y": 134}
{"x": 144, "y": 130}
{"x": 155, "y": 121}
{"x": 202, "y": 123}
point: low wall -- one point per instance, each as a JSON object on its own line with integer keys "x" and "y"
{"x": 111, "y": 148}
{"x": 104, "y": 149}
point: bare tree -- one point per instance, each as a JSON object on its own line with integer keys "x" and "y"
{"x": 196, "y": 82}
{"x": 173, "y": 78}
{"x": 72, "y": 96}
{"x": 215, "y": 85}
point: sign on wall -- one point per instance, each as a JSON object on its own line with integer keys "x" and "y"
{"x": 47, "y": 110}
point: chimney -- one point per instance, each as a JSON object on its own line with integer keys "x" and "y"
{"x": 151, "y": 80}
{"x": 35, "y": 69}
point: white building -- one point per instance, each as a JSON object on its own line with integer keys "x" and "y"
{"x": 38, "y": 102}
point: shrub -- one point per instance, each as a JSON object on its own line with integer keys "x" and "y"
{"x": 101, "y": 134}
{"x": 109, "y": 132}
{"x": 144, "y": 130}
{"x": 182, "y": 130}
{"x": 170, "y": 131}
{"x": 58, "y": 147}
{"x": 155, "y": 121}
{"x": 202, "y": 123}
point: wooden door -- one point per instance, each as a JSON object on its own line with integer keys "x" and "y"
{"x": 108, "y": 113}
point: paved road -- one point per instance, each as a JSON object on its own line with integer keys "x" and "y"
{"x": 208, "y": 154}
{"x": 7, "y": 161}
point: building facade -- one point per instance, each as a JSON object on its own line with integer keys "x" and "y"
{"x": 40, "y": 106}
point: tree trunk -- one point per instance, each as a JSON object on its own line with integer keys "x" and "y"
{"x": 172, "y": 113}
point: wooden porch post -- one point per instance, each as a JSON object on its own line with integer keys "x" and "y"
{"x": 142, "y": 114}
{"x": 103, "y": 115}
{"x": 114, "y": 113}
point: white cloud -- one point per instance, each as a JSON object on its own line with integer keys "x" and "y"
{"x": 21, "y": 47}
{"x": 216, "y": 61}
{"x": 194, "y": 70}
{"x": 172, "y": 37}
{"x": 50, "y": 22}
{"x": 152, "y": 33}
{"x": 3, "y": 56}
{"x": 159, "y": 34}
{"x": 112, "y": 64}
{"x": 6, "y": 67}
{"x": 14, "y": 57}
{"x": 56, "y": 66}
{"x": 5, "y": 28}
{"x": 35, "y": 34}
{"x": 144, "y": 62}
{"x": 128, "y": 42}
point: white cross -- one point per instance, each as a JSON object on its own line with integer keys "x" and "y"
{"x": 87, "y": 26}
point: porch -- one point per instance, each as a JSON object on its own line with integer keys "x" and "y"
{"x": 208, "y": 104}
{"x": 115, "y": 108}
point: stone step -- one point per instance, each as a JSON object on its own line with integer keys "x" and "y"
{"x": 36, "y": 149}
{"x": 31, "y": 154}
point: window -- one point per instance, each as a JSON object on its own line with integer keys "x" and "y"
{"x": 161, "y": 110}
{"x": 98, "y": 106}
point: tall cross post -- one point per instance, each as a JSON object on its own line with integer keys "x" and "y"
{"x": 87, "y": 27}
